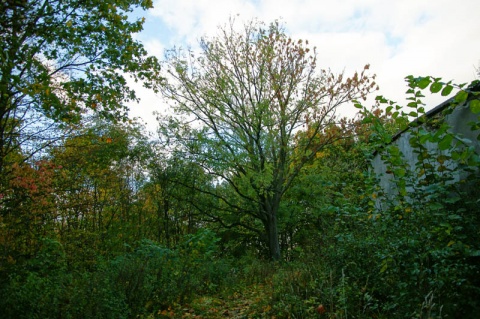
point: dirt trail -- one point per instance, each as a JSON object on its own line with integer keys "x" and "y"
{"x": 252, "y": 302}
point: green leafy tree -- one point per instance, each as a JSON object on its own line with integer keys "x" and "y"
{"x": 172, "y": 206}
{"x": 414, "y": 249}
{"x": 327, "y": 186}
{"x": 27, "y": 212}
{"x": 99, "y": 174}
{"x": 247, "y": 94}
{"x": 62, "y": 59}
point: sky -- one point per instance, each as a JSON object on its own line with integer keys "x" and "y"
{"x": 396, "y": 37}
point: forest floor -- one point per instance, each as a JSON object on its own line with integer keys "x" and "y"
{"x": 250, "y": 302}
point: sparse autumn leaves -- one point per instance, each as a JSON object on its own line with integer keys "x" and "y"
{"x": 249, "y": 93}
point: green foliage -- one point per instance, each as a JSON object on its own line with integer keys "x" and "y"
{"x": 153, "y": 277}
{"x": 94, "y": 295}
{"x": 420, "y": 240}
{"x": 45, "y": 288}
{"x": 247, "y": 95}
{"x": 36, "y": 289}
{"x": 61, "y": 60}
{"x": 409, "y": 254}
{"x": 106, "y": 225}
{"x": 171, "y": 199}
{"x": 148, "y": 279}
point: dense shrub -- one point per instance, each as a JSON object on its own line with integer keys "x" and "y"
{"x": 410, "y": 254}
{"x": 144, "y": 281}
{"x": 416, "y": 249}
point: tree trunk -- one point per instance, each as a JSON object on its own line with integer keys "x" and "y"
{"x": 271, "y": 228}
{"x": 273, "y": 242}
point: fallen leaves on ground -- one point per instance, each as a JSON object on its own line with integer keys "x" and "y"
{"x": 251, "y": 302}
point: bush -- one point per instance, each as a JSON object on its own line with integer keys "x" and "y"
{"x": 416, "y": 250}
{"x": 44, "y": 288}
{"x": 154, "y": 278}
{"x": 146, "y": 280}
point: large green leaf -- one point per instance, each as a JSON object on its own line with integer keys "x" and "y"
{"x": 423, "y": 82}
{"x": 436, "y": 87}
{"x": 461, "y": 97}
{"x": 475, "y": 106}
{"x": 445, "y": 142}
{"x": 447, "y": 90}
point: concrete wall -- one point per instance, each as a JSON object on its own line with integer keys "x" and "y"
{"x": 458, "y": 121}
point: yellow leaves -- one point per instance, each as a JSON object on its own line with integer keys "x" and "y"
{"x": 441, "y": 168}
{"x": 95, "y": 101}
{"x": 441, "y": 159}
{"x": 385, "y": 265}
{"x": 167, "y": 313}
{"x": 421, "y": 172}
{"x": 321, "y": 154}
{"x": 11, "y": 260}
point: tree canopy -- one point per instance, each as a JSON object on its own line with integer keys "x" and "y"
{"x": 253, "y": 164}
{"x": 63, "y": 59}
{"x": 109, "y": 225}
{"x": 248, "y": 93}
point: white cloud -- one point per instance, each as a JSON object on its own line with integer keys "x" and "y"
{"x": 149, "y": 103}
{"x": 397, "y": 37}
{"x": 154, "y": 47}
{"x": 191, "y": 19}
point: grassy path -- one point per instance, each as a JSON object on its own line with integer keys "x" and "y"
{"x": 251, "y": 302}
